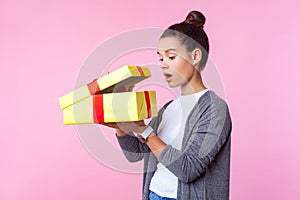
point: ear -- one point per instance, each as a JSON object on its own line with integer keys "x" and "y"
{"x": 196, "y": 56}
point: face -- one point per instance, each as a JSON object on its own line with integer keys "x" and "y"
{"x": 175, "y": 62}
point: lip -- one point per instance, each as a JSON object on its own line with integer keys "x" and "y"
{"x": 168, "y": 77}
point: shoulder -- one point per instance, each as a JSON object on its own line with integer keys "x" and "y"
{"x": 211, "y": 107}
{"x": 166, "y": 105}
{"x": 210, "y": 97}
{"x": 212, "y": 112}
{"x": 211, "y": 100}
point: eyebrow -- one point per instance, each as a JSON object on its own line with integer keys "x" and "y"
{"x": 166, "y": 51}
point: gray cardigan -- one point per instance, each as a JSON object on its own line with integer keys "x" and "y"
{"x": 203, "y": 165}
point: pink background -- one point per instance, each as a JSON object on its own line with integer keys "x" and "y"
{"x": 254, "y": 44}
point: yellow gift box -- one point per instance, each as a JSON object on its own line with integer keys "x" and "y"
{"x": 112, "y": 107}
{"x": 124, "y": 76}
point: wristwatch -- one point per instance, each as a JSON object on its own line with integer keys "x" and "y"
{"x": 144, "y": 136}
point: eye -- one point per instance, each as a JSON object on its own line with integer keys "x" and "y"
{"x": 171, "y": 57}
{"x": 160, "y": 59}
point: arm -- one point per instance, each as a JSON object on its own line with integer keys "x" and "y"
{"x": 208, "y": 136}
{"x": 132, "y": 148}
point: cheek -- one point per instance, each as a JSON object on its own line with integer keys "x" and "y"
{"x": 179, "y": 65}
{"x": 184, "y": 69}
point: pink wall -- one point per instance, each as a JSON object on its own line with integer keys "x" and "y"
{"x": 254, "y": 44}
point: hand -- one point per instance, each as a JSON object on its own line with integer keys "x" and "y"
{"x": 124, "y": 89}
{"x": 126, "y": 127}
{"x": 111, "y": 125}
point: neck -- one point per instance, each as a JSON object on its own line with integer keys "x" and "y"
{"x": 194, "y": 85}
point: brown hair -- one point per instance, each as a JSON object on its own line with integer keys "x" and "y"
{"x": 191, "y": 34}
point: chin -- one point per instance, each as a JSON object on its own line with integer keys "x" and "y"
{"x": 172, "y": 85}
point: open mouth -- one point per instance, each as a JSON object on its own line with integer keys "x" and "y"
{"x": 167, "y": 76}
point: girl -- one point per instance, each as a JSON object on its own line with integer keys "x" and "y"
{"x": 186, "y": 148}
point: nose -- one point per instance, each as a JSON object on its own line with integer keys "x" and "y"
{"x": 164, "y": 65}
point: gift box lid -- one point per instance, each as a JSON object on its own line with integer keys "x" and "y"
{"x": 125, "y": 76}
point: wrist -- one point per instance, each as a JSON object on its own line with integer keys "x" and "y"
{"x": 151, "y": 136}
{"x": 141, "y": 129}
{"x": 143, "y": 136}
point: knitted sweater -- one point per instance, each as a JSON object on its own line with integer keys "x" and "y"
{"x": 203, "y": 165}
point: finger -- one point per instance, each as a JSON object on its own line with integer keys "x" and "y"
{"x": 120, "y": 89}
{"x": 110, "y": 124}
{"x": 140, "y": 123}
{"x": 130, "y": 88}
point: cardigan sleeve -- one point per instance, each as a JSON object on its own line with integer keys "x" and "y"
{"x": 208, "y": 136}
{"x": 132, "y": 148}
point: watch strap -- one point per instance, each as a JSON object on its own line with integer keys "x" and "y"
{"x": 143, "y": 136}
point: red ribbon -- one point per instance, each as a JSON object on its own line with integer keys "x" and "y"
{"x": 93, "y": 87}
{"x": 147, "y": 98}
{"x": 140, "y": 71}
{"x": 98, "y": 110}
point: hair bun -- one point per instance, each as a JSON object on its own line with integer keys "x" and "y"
{"x": 196, "y": 18}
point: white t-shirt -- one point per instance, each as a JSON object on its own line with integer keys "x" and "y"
{"x": 171, "y": 130}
